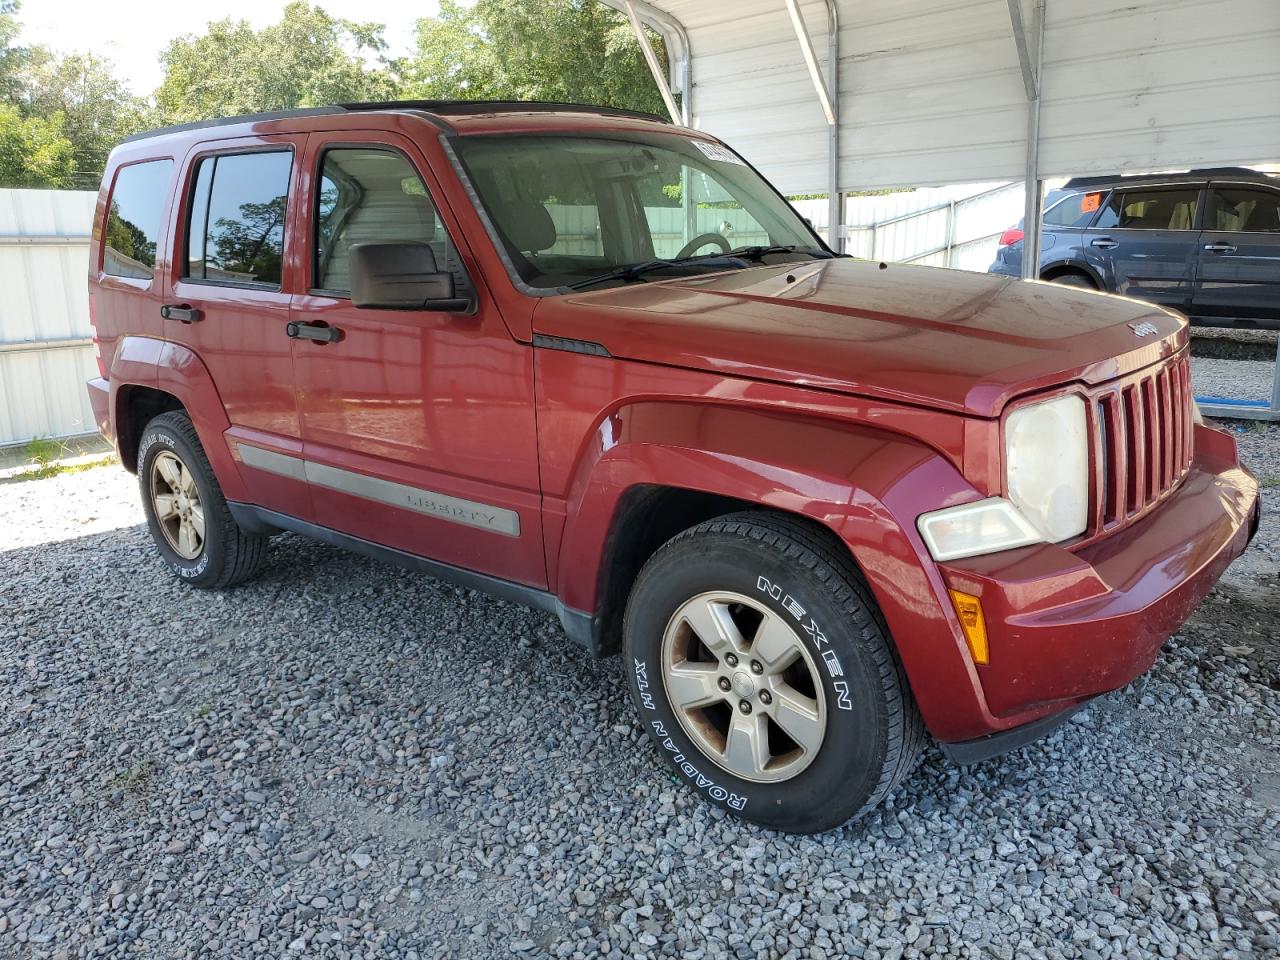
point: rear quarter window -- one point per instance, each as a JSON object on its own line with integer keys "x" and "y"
{"x": 134, "y": 215}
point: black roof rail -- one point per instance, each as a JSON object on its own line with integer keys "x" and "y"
{"x": 1245, "y": 173}
{"x": 447, "y": 108}
{"x": 242, "y": 118}
{"x": 440, "y": 108}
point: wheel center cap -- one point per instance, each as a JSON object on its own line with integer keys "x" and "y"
{"x": 743, "y": 685}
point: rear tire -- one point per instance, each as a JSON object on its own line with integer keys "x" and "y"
{"x": 1075, "y": 280}
{"x": 712, "y": 613}
{"x": 186, "y": 511}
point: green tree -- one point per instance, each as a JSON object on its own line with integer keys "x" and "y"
{"x": 98, "y": 109}
{"x": 307, "y": 59}
{"x": 33, "y": 150}
{"x": 13, "y": 58}
{"x": 567, "y": 50}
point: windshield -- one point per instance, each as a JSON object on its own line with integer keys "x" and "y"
{"x": 573, "y": 210}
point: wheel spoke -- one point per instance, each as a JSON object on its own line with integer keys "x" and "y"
{"x": 693, "y": 685}
{"x": 775, "y": 644}
{"x": 186, "y": 539}
{"x": 746, "y": 748}
{"x": 187, "y": 480}
{"x": 197, "y": 520}
{"x": 714, "y": 627}
{"x": 170, "y": 471}
{"x": 798, "y": 717}
{"x": 166, "y": 505}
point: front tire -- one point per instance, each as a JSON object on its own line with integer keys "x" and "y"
{"x": 762, "y": 669}
{"x": 186, "y": 512}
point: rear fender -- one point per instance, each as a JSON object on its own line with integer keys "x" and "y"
{"x": 865, "y": 485}
{"x": 176, "y": 370}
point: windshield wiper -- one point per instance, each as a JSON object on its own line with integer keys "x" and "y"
{"x": 635, "y": 271}
{"x": 759, "y": 253}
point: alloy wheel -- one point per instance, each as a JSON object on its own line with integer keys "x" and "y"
{"x": 176, "y": 501}
{"x": 743, "y": 686}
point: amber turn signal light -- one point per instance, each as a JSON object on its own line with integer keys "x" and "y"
{"x": 969, "y": 610}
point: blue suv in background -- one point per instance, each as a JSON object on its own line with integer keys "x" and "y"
{"x": 1205, "y": 243}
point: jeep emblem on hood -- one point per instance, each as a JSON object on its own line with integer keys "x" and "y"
{"x": 1143, "y": 329}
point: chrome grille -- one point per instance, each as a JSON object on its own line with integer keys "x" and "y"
{"x": 1142, "y": 440}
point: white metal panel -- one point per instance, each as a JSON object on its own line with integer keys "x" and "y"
{"x": 44, "y": 265}
{"x": 931, "y": 90}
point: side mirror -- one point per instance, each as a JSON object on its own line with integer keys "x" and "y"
{"x": 400, "y": 276}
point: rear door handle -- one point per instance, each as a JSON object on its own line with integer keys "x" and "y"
{"x": 180, "y": 311}
{"x": 1220, "y": 247}
{"x": 312, "y": 331}
{"x": 1103, "y": 243}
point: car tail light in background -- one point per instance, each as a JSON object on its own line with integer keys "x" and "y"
{"x": 1010, "y": 237}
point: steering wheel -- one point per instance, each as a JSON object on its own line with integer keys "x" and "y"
{"x": 701, "y": 240}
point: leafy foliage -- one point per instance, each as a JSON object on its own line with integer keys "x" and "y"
{"x": 33, "y": 150}
{"x": 307, "y": 59}
{"x": 565, "y": 50}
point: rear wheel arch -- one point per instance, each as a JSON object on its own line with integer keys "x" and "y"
{"x": 1059, "y": 270}
{"x": 136, "y": 406}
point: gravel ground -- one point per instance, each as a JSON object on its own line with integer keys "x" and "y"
{"x": 1232, "y": 379}
{"x": 345, "y": 760}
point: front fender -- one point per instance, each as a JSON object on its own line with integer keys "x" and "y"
{"x": 864, "y": 484}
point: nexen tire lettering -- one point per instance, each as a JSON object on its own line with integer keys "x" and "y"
{"x": 834, "y": 670}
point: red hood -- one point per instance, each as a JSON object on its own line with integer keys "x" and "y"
{"x": 966, "y": 342}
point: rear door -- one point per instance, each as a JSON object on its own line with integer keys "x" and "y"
{"x": 229, "y": 303}
{"x": 1143, "y": 243}
{"x": 1239, "y": 253}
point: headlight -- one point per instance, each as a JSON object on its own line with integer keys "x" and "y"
{"x": 1046, "y": 455}
{"x": 976, "y": 528}
{"x": 1047, "y": 475}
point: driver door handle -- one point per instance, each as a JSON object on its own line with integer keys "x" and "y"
{"x": 320, "y": 333}
{"x": 1220, "y": 247}
{"x": 1104, "y": 243}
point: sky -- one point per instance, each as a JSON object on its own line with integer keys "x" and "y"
{"x": 133, "y": 32}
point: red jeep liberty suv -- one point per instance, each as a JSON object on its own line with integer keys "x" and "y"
{"x": 595, "y": 363}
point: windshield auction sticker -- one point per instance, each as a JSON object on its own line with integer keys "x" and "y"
{"x": 713, "y": 151}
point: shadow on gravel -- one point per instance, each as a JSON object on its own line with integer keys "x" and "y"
{"x": 345, "y": 755}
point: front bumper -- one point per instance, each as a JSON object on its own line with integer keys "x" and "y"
{"x": 1066, "y": 626}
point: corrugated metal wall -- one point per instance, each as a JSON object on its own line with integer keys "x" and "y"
{"x": 931, "y": 91}
{"x": 45, "y": 350}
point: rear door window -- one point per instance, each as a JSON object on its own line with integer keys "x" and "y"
{"x": 1241, "y": 210}
{"x": 235, "y": 232}
{"x": 1173, "y": 209}
{"x": 133, "y": 219}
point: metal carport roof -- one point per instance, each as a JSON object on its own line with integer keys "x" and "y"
{"x": 830, "y": 96}
{"x": 945, "y": 91}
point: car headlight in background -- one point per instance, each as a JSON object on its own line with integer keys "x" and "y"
{"x": 1046, "y": 458}
{"x": 1047, "y": 475}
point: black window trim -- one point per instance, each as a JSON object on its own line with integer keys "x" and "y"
{"x": 1237, "y": 185}
{"x": 313, "y": 206}
{"x": 193, "y": 167}
{"x": 1197, "y": 217}
{"x": 137, "y": 282}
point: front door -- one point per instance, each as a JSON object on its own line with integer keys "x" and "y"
{"x": 229, "y": 303}
{"x": 418, "y": 426}
{"x": 1144, "y": 243}
{"x": 1239, "y": 275}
